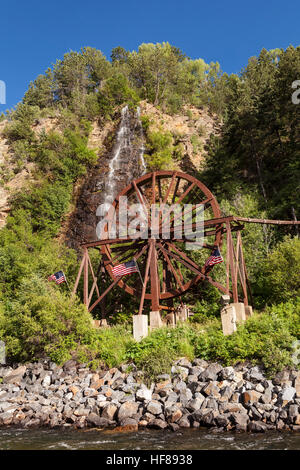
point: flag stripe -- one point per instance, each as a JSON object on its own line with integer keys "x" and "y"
{"x": 215, "y": 258}
{"x": 125, "y": 268}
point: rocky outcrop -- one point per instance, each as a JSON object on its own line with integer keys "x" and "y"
{"x": 195, "y": 394}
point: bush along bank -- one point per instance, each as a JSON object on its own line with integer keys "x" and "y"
{"x": 195, "y": 394}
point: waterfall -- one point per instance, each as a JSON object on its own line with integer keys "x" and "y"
{"x": 124, "y": 144}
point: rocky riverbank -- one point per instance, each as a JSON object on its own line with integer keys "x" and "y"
{"x": 194, "y": 395}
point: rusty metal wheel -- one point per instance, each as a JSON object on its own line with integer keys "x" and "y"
{"x": 164, "y": 259}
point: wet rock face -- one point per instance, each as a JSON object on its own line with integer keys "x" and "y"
{"x": 122, "y": 163}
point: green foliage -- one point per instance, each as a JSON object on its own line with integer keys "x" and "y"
{"x": 278, "y": 279}
{"x": 43, "y": 321}
{"x": 258, "y": 147}
{"x": 160, "y": 145}
{"x": 265, "y": 338}
{"x": 155, "y": 354}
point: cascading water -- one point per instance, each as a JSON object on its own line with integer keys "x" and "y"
{"x": 124, "y": 144}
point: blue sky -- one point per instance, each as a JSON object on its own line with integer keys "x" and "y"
{"x": 34, "y": 34}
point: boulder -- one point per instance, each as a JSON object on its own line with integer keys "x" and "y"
{"x": 250, "y": 396}
{"x": 240, "y": 421}
{"x": 195, "y": 404}
{"x": 158, "y": 424}
{"x": 143, "y": 394}
{"x": 211, "y": 372}
{"x": 184, "y": 422}
{"x": 288, "y": 395}
{"x": 127, "y": 410}
{"x": 15, "y": 376}
{"x": 257, "y": 426}
{"x": 94, "y": 420}
{"x": 109, "y": 412}
{"x": 154, "y": 407}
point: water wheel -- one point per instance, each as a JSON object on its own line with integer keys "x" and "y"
{"x": 167, "y": 264}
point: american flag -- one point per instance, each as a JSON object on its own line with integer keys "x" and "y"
{"x": 58, "y": 277}
{"x": 215, "y": 258}
{"x": 125, "y": 268}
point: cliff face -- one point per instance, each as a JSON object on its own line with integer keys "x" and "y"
{"x": 191, "y": 128}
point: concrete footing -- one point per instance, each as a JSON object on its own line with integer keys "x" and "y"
{"x": 240, "y": 312}
{"x": 228, "y": 318}
{"x": 155, "y": 320}
{"x": 140, "y": 327}
{"x": 248, "y": 311}
{"x": 181, "y": 314}
{"x": 169, "y": 320}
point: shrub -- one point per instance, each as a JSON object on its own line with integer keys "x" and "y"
{"x": 278, "y": 276}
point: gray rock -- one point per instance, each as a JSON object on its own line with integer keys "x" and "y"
{"x": 293, "y": 411}
{"x": 130, "y": 379}
{"x": 257, "y": 426}
{"x": 240, "y": 421}
{"x": 154, "y": 407}
{"x": 184, "y": 362}
{"x": 118, "y": 383}
{"x": 227, "y": 373}
{"x": 14, "y": 376}
{"x": 196, "y": 370}
{"x": 143, "y": 394}
{"x": 192, "y": 379}
{"x": 185, "y": 396}
{"x": 174, "y": 427}
{"x": 212, "y": 403}
{"x": 254, "y": 413}
{"x": 94, "y": 420}
{"x": 127, "y": 398}
{"x": 222, "y": 420}
{"x": 127, "y": 410}
{"x": 281, "y": 377}
{"x": 200, "y": 363}
{"x": 172, "y": 398}
{"x": 211, "y": 372}
{"x": 226, "y": 393}
{"x": 117, "y": 395}
{"x": 180, "y": 386}
{"x": 182, "y": 372}
{"x": 259, "y": 388}
{"x": 163, "y": 377}
{"x": 158, "y": 424}
{"x": 184, "y": 422}
{"x": 130, "y": 422}
{"x": 288, "y": 394}
{"x": 267, "y": 396}
{"x": 109, "y": 412}
{"x": 195, "y": 404}
{"x": 255, "y": 375}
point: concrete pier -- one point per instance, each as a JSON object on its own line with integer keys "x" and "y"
{"x": 240, "y": 312}
{"x": 228, "y": 318}
{"x": 155, "y": 320}
{"x": 140, "y": 327}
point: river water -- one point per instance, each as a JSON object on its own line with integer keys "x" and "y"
{"x": 187, "y": 439}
